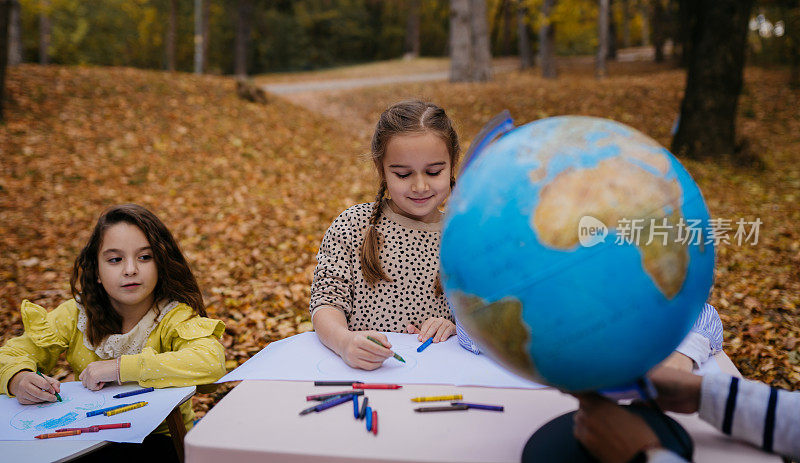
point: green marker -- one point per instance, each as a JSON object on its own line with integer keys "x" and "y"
{"x": 57, "y": 396}
{"x": 381, "y": 344}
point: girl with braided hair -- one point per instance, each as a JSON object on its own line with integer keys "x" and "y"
{"x": 378, "y": 264}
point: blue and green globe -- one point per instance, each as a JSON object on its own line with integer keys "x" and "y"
{"x": 574, "y": 252}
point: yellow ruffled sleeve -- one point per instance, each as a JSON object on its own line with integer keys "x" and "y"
{"x": 190, "y": 354}
{"x": 46, "y": 336}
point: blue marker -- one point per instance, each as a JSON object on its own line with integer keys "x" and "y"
{"x": 369, "y": 419}
{"x": 103, "y": 410}
{"x": 355, "y": 406}
{"x": 425, "y": 344}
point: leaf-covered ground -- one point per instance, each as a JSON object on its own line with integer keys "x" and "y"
{"x": 250, "y": 189}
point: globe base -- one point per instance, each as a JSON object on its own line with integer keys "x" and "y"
{"x": 555, "y": 443}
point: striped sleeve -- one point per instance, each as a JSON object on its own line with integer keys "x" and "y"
{"x": 709, "y": 326}
{"x": 463, "y": 338}
{"x": 705, "y": 338}
{"x": 753, "y": 412}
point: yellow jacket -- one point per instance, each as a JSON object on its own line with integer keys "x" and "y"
{"x": 182, "y": 350}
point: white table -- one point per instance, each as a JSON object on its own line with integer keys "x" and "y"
{"x": 56, "y": 450}
{"x": 258, "y": 421}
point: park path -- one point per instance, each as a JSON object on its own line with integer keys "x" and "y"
{"x": 312, "y": 94}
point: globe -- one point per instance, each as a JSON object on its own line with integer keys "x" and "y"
{"x": 576, "y": 252}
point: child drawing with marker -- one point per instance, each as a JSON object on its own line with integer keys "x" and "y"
{"x": 378, "y": 264}
{"x": 137, "y": 315}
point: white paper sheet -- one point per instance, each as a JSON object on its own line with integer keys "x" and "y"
{"x": 304, "y": 358}
{"x": 23, "y": 422}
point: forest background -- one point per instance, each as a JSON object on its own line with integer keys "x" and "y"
{"x": 249, "y": 188}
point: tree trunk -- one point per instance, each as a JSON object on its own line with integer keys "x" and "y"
{"x": 659, "y": 31}
{"x": 507, "y": 19}
{"x": 460, "y": 41}
{"x": 243, "y": 14}
{"x": 412, "y": 29}
{"x": 481, "y": 48}
{"x": 626, "y": 23}
{"x": 612, "y": 32}
{"x": 206, "y": 41}
{"x": 645, "y": 12}
{"x": 44, "y": 33}
{"x": 5, "y": 7}
{"x": 601, "y": 70}
{"x": 172, "y": 31}
{"x": 547, "y": 35}
{"x": 198, "y": 37}
{"x": 14, "y": 34}
{"x": 714, "y": 80}
{"x": 523, "y": 39}
{"x": 687, "y": 15}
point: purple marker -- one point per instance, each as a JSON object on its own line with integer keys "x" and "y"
{"x": 327, "y": 404}
{"x": 494, "y": 408}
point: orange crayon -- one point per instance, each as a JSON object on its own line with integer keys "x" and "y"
{"x": 73, "y": 432}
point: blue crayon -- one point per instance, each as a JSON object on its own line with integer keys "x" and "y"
{"x": 425, "y": 344}
{"x": 369, "y": 419}
{"x": 103, "y": 410}
{"x": 355, "y": 406}
{"x": 130, "y": 393}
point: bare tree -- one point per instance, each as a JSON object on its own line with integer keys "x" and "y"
{"x": 658, "y": 20}
{"x": 523, "y": 39}
{"x": 412, "y": 29}
{"x": 244, "y": 11}
{"x": 470, "y": 57}
{"x": 14, "y": 34}
{"x": 601, "y": 68}
{"x": 460, "y": 41}
{"x": 481, "y": 48}
{"x": 44, "y": 32}
{"x": 199, "y": 59}
{"x": 626, "y": 22}
{"x": 707, "y": 126}
{"x": 547, "y": 35}
{"x": 172, "y": 31}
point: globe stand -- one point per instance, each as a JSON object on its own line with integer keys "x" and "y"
{"x": 555, "y": 443}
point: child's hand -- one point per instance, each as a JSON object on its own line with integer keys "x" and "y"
{"x": 97, "y": 374}
{"x": 360, "y": 352}
{"x": 30, "y": 388}
{"x": 440, "y": 329}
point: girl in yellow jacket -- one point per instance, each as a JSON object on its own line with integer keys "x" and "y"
{"x": 137, "y": 316}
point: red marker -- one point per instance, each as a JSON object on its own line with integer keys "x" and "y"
{"x": 376, "y": 386}
{"x": 97, "y": 427}
{"x": 375, "y": 422}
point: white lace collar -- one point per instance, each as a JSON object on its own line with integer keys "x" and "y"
{"x": 130, "y": 343}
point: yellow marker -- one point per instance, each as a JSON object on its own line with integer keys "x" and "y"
{"x": 437, "y": 398}
{"x": 125, "y": 409}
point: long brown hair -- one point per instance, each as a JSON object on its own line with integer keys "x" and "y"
{"x": 405, "y": 117}
{"x": 175, "y": 279}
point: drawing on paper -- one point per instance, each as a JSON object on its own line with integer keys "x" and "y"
{"x": 44, "y": 417}
{"x": 336, "y": 366}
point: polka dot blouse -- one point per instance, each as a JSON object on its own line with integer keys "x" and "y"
{"x": 409, "y": 254}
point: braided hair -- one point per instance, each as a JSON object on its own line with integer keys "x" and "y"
{"x": 405, "y": 117}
